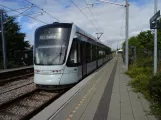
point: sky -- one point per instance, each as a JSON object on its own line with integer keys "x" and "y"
{"x": 106, "y": 18}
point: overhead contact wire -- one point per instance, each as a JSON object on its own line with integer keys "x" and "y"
{"x": 43, "y": 10}
{"x": 84, "y": 15}
{"x": 23, "y": 14}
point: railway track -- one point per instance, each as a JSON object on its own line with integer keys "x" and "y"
{"x": 27, "y": 105}
{"x": 17, "y": 85}
{"x": 19, "y": 98}
{"x": 14, "y": 78}
{"x": 18, "y": 74}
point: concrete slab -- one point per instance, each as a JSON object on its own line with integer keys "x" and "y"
{"x": 130, "y": 107}
{"x": 91, "y": 109}
{"x": 89, "y": 97}
{"x": 127, "y": 116}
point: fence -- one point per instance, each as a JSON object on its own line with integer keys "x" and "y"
{"x": 18, "y": 59}
{"x": 135, "y": 53}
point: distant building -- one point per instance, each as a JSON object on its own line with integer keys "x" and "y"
{"x": 119, "y": 51}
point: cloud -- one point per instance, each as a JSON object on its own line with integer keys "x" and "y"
{"x": 32, "y": 25}
{"x": 111, "y": 18}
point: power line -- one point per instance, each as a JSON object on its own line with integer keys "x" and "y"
{"x": 19, "y": 9}
{"x": 93, "y": 15}
{"x": 43, "y": 10}
{"x": 84, "y": 15}
{"x": 17, "y": 15}
{"x": 23, "y": 14}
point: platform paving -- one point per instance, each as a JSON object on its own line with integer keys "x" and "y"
{"x": 105, "y": 95}
{"x": 126, "y": 104}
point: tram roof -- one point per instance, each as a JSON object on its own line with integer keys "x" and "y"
{"x": 78, "y": 29}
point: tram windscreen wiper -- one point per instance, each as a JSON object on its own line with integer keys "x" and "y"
{"x": 60, "y": 53}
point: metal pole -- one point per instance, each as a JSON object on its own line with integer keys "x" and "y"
{"x": 126, "y": 34}
{"x": 3, "y": 41}
{"x": 155, "y": 41}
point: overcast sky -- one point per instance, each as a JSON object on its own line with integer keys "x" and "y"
{"x": 109, "y": 19}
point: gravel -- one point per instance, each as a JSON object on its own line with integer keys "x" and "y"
{"x": 15, "y": 93}
{"x": 18, "y": 110}
{"x": 11, "y": 83}
{"x": 31, "y": 103}
{"x": 24, "y": 106}
{"x": 42, "y": 97}
{"x": 37, "y": 99}
{"x": 4, "y": 116}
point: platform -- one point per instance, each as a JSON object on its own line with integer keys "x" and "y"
{"x": 15, "y": 69}
{"x": 104, "y": 95}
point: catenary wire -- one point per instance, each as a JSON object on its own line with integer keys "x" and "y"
{"x": 18, "y": 14}
{"x": 84, "y": 15}
{"x": 43, "y": 10}
{"x": 23, "y": 14}
{"x": 93, "y": 15}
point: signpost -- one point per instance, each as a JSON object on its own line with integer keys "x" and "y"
{"x": 155, "y": 24}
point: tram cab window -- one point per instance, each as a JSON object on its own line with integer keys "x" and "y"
{"x": 74, "y": 58}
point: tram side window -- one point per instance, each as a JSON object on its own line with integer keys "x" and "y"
{"x": 74, "y": 58}
{"x": 100, "y": 53}
{"x": 94, "y": 53}
{"x": 89, "y": 53}
{"x": 79, "y": 53}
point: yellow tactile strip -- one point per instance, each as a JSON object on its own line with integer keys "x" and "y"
{"x": 80, "y": 102}
{"x": 70, "y": 116}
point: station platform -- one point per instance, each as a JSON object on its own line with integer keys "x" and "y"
{"x": 15, "y": 69}
{"x": 104, "y": 95}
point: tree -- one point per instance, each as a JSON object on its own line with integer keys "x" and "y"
{"x": 146, "y": 40}
{"x": 13, "y": 37}
{"x": 142, "y": 40}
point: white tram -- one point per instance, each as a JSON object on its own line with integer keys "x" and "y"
{"x": 64, "y": 54}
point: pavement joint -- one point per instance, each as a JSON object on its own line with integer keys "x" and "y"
{"x": 81, "y": 102}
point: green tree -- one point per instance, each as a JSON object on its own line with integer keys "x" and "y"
{"x": 142, "y": 40}
{"x": 13, "y": 37}
{"x": 146, "y": 40}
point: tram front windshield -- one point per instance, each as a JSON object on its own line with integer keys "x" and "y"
{"x": 51, "y": 45}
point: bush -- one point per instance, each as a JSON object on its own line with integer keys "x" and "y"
{"x": 140, "y": 82}
{"x": 144, "y": 61}
{"x": 155, "y": 88}
{"x": 156, "y": 109}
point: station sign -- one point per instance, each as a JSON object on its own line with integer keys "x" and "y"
{"x": 154, "y": 23}
{"x": 154, "y": 18}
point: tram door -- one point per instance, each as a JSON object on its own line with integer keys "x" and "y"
{"x": 84, "y": 64}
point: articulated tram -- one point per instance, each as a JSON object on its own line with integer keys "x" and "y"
{"x": 64, "y": 54}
